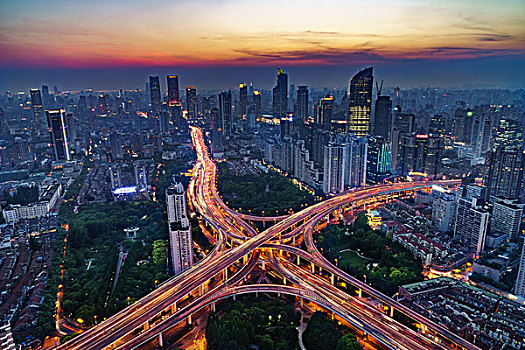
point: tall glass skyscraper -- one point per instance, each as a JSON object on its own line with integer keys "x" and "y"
{"x": 154, "y": 87}
{"x": 280, "y": 95}
{"x": 360, "y": 103}
{"x": 173, "y": 89}
{"x": 56, "y": 121}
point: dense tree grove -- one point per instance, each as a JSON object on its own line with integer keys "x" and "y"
{"x": 269, "y": 193}
{"x": 323, "y": 333}
{"x": 269, "y": 324}
{"x": 390, "y": 264}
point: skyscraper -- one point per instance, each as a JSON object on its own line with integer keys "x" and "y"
{"x": 181, "y": 244}
{"x": 379, "y": 159}
{"x": 509, "y": 134}
{"x": 243, "y": 100}
{"x": 301, "y": 113}
{"x": 191, "y": 102}
{"x": 419, "y": 154}
{"x": 471, "y": 224}
{"x": 325, "y": 112}
{"x": 443, "y": 210}
{"x": 4, "y": 127}
{"x": 383, "y": 121}
{"x": 503, "y": 172}
{"x": 36, "y": 105}
{"x": 481, "y": 133}
{"x": 506, "y": 217}
{"x": 56, "y": 121}
{"x": 280, "y": 95}
{"x": 225, "y": 112}
{"x": 173, "y": 89}
{"x": 519, "y": 289}
{"x": 115, "y": 143}
{"x": 257, "y": 104}
{"x": 360, "y": 103}
{"x": 154, "y": 88}
{"x": 437, "y": 125}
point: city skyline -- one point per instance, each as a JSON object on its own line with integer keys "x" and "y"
{"x": 215, "y": 44}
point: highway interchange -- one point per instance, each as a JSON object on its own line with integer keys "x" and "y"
{"x": 305, "y": 274}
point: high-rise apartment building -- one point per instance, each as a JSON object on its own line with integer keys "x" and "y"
{"x": 191, "y": 102}
{"x": 57, "y": 124}
{"x": 506, "y": 217}
{"x": 471, "y": 224}
{"x": 503, "y": 172}
{"x": 519, "y": 288}
{"x": 345, "y": 163}
{"x": 383, "y": 121}
{"x": 181, "y": 244}
{"x": 280, "y": 95}
{"x": 154, "y": 89}
{"x": 257, "y": 103}
{"x": 115, "y": 144}
{"x": 438, "y": 125}
{"x": 360, "y": 103}
{"x": 443, "y": 210}
{"x": 173, "y": 89}
{"x": 481, "y": 133}
{"x": 509, "y": 134}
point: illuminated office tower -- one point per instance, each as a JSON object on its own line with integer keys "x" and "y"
{"x": 181, "y": 244}
{"x": 57, "y": 124}
{"x": 325, "y": 111}
{"x": 191, "y": 102}
{"x": 438, "y": 125}
{"x": 257, "y": 104}
{"x": 509, "y": 134}
{"x": 503, "y": 172}
{"x": 243, "y": 101}
{"x": 379, "y": 159}
{"x": 462, "y": 125}
{"x": 154, "y": 90}
{"x": 360, "y": 103}
{"x": 333, "y": 179}
{"x": 383, "y": 117}
{"x": 225, "y": 112}
{"x": 280, "y": 95}
{"x": 173, "y": 89}
{"x": 36, "y": 105}
{"x": 419, "y": 154}
{"x": 481, "y": 133}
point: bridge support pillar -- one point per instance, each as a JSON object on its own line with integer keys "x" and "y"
{"x": 161, "y": 343}
{"x": 201, "y": 289}
{"x": 264, "y": 265}
{"x": 312, "y": 267}
{"x": 279, "y": 294}
{"x": 359, "y": 292}
{"x": 189, "y": 319}
{"x": 423, "y": 329}
{"x": 332, "y": 278}
{"x": 225, "y": 273}
{"x": 174, "y": 308}
{"x": 234, "y": 297}
{"x": 146, "y": 325}
{"x": 391, "y": 311}
{"x": 293, "y": 240}
{"x": 301, "y": 302}
{"x": 284, "y": 281}
{"x": 298, "y": 260}
{"x": 244, "y": 259}
{"x": 213, "y": 307}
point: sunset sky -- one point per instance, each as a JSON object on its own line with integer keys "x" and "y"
{"x": 56, "y": 37}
